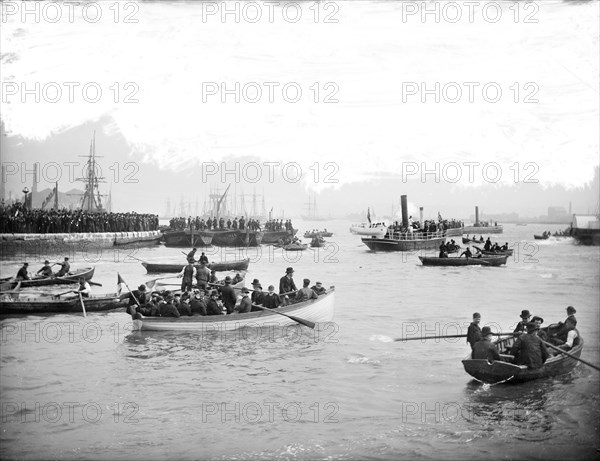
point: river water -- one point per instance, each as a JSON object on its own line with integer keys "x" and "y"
{"x": 75, "y": 388}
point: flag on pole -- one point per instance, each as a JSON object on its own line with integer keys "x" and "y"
{"x": 120, "y": 283}
{"x": 369, "y": 215}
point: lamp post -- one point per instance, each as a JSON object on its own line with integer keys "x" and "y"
{"x": 25, "y": 191}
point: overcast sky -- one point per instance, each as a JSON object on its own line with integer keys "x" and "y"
{"x": 508, "y": 121}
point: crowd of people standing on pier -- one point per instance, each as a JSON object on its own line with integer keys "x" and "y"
{"x": 18, "y": 219}
{"x": 211, "y": 223}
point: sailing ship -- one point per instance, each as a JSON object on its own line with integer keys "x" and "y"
{"x": 313, "y": 214}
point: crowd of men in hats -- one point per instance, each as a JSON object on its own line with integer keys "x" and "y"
{"x": 429, "y": 225}
{"x": 17, "y": 219}
{"x": 489, "y": 246}
{"x": 211, "y": 223}
{"x": 529, "y": 348}
{"x": 46, "y": 270}
{"x": 213, "y": 297}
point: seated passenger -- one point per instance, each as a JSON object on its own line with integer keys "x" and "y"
{"x": 529, "y": 349}
{"x": 272, "y": 299}
{"x": 467, "y": 253}
{"x": 521, "y": 326}
{"x": 237, "y": 279}
{"x": 305, "y": 293}
{"x": 212, "y": 305}
{"x": 46, "y": 270}
{"x": 198, "y": 304}
{"x": 485, "y": 349}
{"x": 184, "y": 306}
{"x": 245, "y": 305}
{"x": 319, "y": 289}
{"x": 566, "y": 333}
{"x": 167, "y": 309}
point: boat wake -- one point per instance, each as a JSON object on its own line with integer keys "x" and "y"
{"x": 382, "y": 338}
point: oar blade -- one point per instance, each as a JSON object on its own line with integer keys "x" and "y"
{"x": 304, "y": 322}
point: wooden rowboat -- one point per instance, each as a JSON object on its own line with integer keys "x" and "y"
{"x": 508, "y": 252}
{"x": 541, "y": 237}
{"x": 314, "y": 310}
{"x": 295, "y": 247}
{"x": 240, "y": 265}
{"x": 25, "y": 304}
{"x": 502, "y": 370}
{"x": 488, "y": 261}
{"x": 310, "y": 235}
{"x": 73, "y": 277}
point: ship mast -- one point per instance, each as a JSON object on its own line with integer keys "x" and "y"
{"x": 91, "y": 198}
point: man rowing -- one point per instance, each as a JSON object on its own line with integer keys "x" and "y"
{"x": 305, "y": 293}
{"x": 529, "y": 349}
{"x": 565, "y": 334}
{"x": 23, "y": 273}
{"x": 46, "y": 269}
{"x": 65, "y": 267}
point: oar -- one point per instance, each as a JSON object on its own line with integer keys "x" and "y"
{"x": 558, "y": 349}
{"x": 150, "y": 283}
{"x": 304, "y": 322}
{"x": 64, "y": 293}
{"x": 448, "y": 336}
{"x": 82, "y": 304}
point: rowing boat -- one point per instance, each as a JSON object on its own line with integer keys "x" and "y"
{"x": 468, "y": 240}
{"x": 24, "y": 304}
{"x": 314, "y": 310}
{"x": 488, "y": 261}
{"x": 295, "y": 247}
{"x": 270, "y": 236}
{"x": 541, "y": 237}
{"x": 502, "y": 370}
{"x": 240, "y": 265}
{"x": 72, "y": 277}
{"x": 310, "y": 235}
{"x": 508, "y": 252}
{"x": 317, "y": 242}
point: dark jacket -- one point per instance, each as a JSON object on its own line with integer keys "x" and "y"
{"x": 272, "y": 301}
{"x": 530, "y": 350}
{"x": 140, "y": 295}
{"x": 564, "y": 328}
{"x": 229, "y": 298}
{"x": 184, "y": 309}
{"x": 485, "y": 350}
{"x": 305, "y": 294}
{"x": 258, "y": 297}
{"x": 520, "y": 327}
{"x": 245, "y": 305}
{"x": 168, "y": 310}
{"x": 198, "y": 307}
{"x": 286, "y": 285}
{"x": 22, "y": 274}
{"x": 212, "y": 308}
{"x": 65, "y": 267}
{"x": 46, "y": 271}
{"x": 473, "y": 334}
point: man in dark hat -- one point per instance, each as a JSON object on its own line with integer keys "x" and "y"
{"x": 485, "y": 349}
{"x": 198, "y": 303}
{"x": 212, "y": 305}
{"x": 565, "y": 333}
{"x": 22, "y": 274}
{"x": 167, "y": 309}
{"x": 228, "y": 295}
{"x": 474, "y": 332}
{"x": 272, "y": 299}
{"x": 287, "y": 285}
{"x": 525, "y": 316}
{"x": 46, "y": 269}
{"x": 488, "y": 245}
{"x": 213, "y": 277}
{"x": 258, "y": 297}
{"x": 245, "y": 304}
{"x": 140, "y": 294}
{"x": 529, "y": 349}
